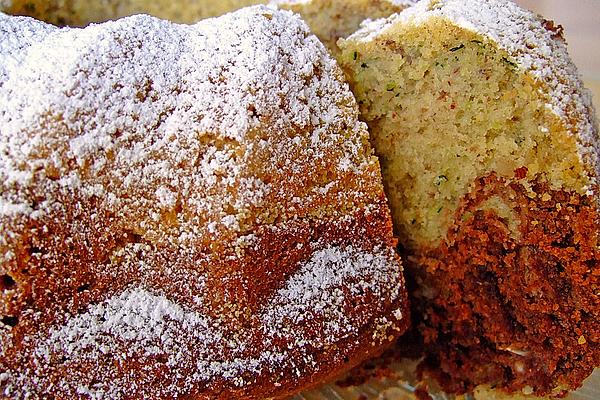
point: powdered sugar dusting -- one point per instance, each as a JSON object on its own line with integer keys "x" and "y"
{"x": 120, "y": 109}
{"x": 532, "y": 44}
{"x": 138, "y": 323}
{"x": 313, "y": 284}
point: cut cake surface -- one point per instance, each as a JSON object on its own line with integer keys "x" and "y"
{"x": 489, "y": 151}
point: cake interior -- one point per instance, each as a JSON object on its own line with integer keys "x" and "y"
{"x": 445, "y": 106}
{"x": 490, "y": 201}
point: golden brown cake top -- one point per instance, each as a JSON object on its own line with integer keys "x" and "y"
{"x": 220, "y": 99}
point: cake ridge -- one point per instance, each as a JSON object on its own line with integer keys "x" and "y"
{"x": 249, "y": 65}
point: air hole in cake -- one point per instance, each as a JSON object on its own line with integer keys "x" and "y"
{"x": 135, "y": 237}
{"x": 162, "y": 358}
{"x": 36, "y": 202}
{"x": 252, "y": 110}
{"x": 129, "y": 236}
{"x": 34, "y": 250}
{"x": 83, "y": 288}
{"x": 61, "y": 360}
{"x": 9, "y": 321}
{"x": 7, "y": 282}
{"x": 178, "y": 206}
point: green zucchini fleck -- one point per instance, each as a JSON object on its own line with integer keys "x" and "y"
{"x": 511, "y": 64}
{"x": 440, "y": 179}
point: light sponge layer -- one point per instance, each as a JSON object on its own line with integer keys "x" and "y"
{"x": 446, "y": 105}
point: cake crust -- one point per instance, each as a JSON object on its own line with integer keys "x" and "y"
{"x": 186, "y": 211}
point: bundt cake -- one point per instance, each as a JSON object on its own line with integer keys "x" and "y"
{"x": 186, "y": 211}
{"x": 489, "y": 152}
